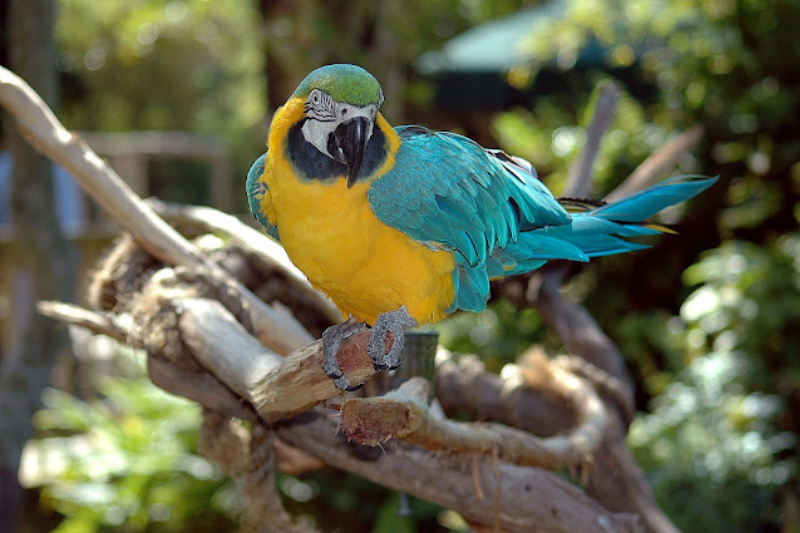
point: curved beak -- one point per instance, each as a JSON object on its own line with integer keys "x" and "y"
{"x": 349, "y": 142}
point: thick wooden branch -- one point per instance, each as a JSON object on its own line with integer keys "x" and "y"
{"x": 265, "y": 511}
{"x": 616, "y": 480}
{"x": 464, "y": 386}
{"x": 42, "y": 129}
{"x": 529, "y": 499}
{"x": 277, "y": 387}
{"x": 241, "y": 371}
{"x": 404, "y": 414}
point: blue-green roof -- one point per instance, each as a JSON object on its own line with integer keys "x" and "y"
{"x": 497, "y": 45}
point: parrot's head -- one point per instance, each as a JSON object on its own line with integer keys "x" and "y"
{"x": 341, "y": 106}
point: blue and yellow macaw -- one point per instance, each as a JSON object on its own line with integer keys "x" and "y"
{"x": 404, "y": 226}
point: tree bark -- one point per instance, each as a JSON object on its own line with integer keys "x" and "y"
{"x": 45, "y": 267}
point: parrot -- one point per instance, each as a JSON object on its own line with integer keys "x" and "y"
{"x": 404, "y": 226}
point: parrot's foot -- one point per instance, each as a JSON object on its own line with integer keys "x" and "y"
{"x": 332, "y": 339}
{"x": 389, "y": 322}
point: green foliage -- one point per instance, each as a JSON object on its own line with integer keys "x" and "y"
{"x": 709, "y": 448}
{"x": 127, "y": 462}
{"x": 188, "y": 65}
{"x": 721, "y": 433}
{"x": 499, "y": 334}
{"x": 205, "y": 57}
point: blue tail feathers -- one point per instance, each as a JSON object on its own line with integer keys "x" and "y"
{"x": 599, "y": 231}
{"x": 646, "y": 203}
{"x": 603, "y": 230}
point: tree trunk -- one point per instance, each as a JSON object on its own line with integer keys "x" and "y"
{"x": 45, "y": 261}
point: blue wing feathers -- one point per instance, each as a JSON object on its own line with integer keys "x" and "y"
{"x": 498, "y": 219}
{"x": 467, "y": 202}
{"x": 256, "y": 188}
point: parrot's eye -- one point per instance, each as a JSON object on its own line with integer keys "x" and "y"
{"x": 316, "y": 98}
{"x": 344, "y": 112}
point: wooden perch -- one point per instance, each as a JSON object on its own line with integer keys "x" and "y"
{"x": 42, "y": 129}
{"x": 529, "y": 499}
{"x": 404, "y": 414}
{"x": 464, "y": 386}
{"x": 277, "y": 387}
{"x": 99, "y": 323}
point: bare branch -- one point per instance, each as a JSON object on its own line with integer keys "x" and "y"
{"x": 224, "y": 441}
{"x": 658, "y": 164}
{"x": 530, "y": 499}
{"x": 275, "y": 386}
{"x": 615, "y": 480}
{"x": 579, "y": 179}
{"x": 294, "y": 461}
{"x": 602, "y": 381}
{"x": 201, "y": 387}
{"x": 464, "y": 386}
{"x": 404, "y": 414}
{"x": 265, "y": 512}
{"x": 250, "y": 459}
{"x": 101, "y": 323}
{"x": 43, "y": 130}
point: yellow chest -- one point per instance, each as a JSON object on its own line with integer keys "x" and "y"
{"x": 366, "y": 267}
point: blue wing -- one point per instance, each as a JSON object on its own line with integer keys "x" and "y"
{"x": 497, "y": 218}
{"x": 256, "y": 191}
{"x": 449, "y": 193}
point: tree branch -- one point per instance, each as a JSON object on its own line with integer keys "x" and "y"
{"x": 579, "y": 179}
{"x": 277, "y": 387}
{"x": 530, "y": 499}
{"x": 100, "y": 323}
{"x": 42, "y": 129}
{"x": 658, "y": 164}
{"x": 404, "y": 414}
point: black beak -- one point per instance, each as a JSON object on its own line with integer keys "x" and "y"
{"x": 347, "y": 144}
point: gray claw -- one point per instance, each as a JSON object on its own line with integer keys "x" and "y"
{"x": 391, "y": 321}
{"x": 332, "y": 339}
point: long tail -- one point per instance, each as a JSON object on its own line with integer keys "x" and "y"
{"x": 599, "y": 231}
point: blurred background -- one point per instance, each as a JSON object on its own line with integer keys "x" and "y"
{"x": 178, "y": 95}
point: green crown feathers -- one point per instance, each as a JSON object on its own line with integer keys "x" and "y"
{"x": 345, "y": 83}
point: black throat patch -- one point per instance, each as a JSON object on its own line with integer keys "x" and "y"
{"x": 314, "y": 165}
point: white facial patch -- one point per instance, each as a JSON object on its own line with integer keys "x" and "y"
{"x": 325, "y": 115}
{"x": 317, "y": 133}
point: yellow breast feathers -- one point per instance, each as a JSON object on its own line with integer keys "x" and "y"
{"x": 330, "y": 232}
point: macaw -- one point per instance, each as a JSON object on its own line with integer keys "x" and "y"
{"x": 403, "y": 226}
